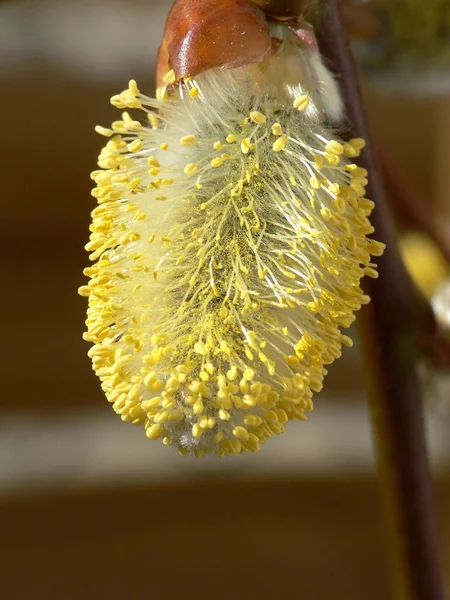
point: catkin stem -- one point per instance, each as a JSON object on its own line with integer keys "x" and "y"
{"x": 390, "y": 328}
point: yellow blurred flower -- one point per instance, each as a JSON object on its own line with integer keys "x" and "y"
{"x": 424, "y": 261}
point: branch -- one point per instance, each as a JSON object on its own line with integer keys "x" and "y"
{"x": 391, "y": 327}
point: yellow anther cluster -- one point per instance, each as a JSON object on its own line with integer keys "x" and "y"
{"x": 104, "y": 131}
{"x": 257, "y": 117}
{"x": 217, "y": 162}
{"x": 128, "y": 98}
{"x": 246, "y": 146}
{"x": 188, "y": 140}
{"x": 221, "y": 280}
{"x": 279, "y": 144}
{"x": 190, "y": 169}
{"x": 301, "y": 102}
{"x": 277, "y": 129}
{"x": 135, "y": 146}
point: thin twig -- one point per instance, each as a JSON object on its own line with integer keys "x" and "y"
{"x": 391, "y": 327}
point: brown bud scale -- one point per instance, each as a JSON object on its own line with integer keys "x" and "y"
{"x": 201, "y": 34}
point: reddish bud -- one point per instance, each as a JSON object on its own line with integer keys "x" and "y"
{"x": 201, "y": 34}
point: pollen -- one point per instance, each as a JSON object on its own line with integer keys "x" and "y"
{"x": 152, "y": 161}
{"x": 246, "y": 146}
{"x": 334, "y": 148}
{"x": 190, "y": 169}
{"x": 188, "y": 140}
{"x": 221, "y": 280}
{"x": 104, "y": 131}
{"x": 318, "y": 161}
{"x": 133, "y": 88}
{"x": 301, "y": 102}
{"x": 135, "y": 146}
{"x": 358, "y": 143}
{"x": 350, "y": 151}
{"x": 277, "y": 129}
{"x": 314, "y": 182}
{"x": 257, "y": 117}
{"x": 280, "y": 144}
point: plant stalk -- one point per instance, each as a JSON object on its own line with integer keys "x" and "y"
{"x": 391, "y": 327}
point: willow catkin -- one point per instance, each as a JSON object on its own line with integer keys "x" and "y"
{"x": 228, "y": 245}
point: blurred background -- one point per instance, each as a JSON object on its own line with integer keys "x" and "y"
{"x": 88, "y": 506}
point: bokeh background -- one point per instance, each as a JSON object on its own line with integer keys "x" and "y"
{"x": 89, "y": 508}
